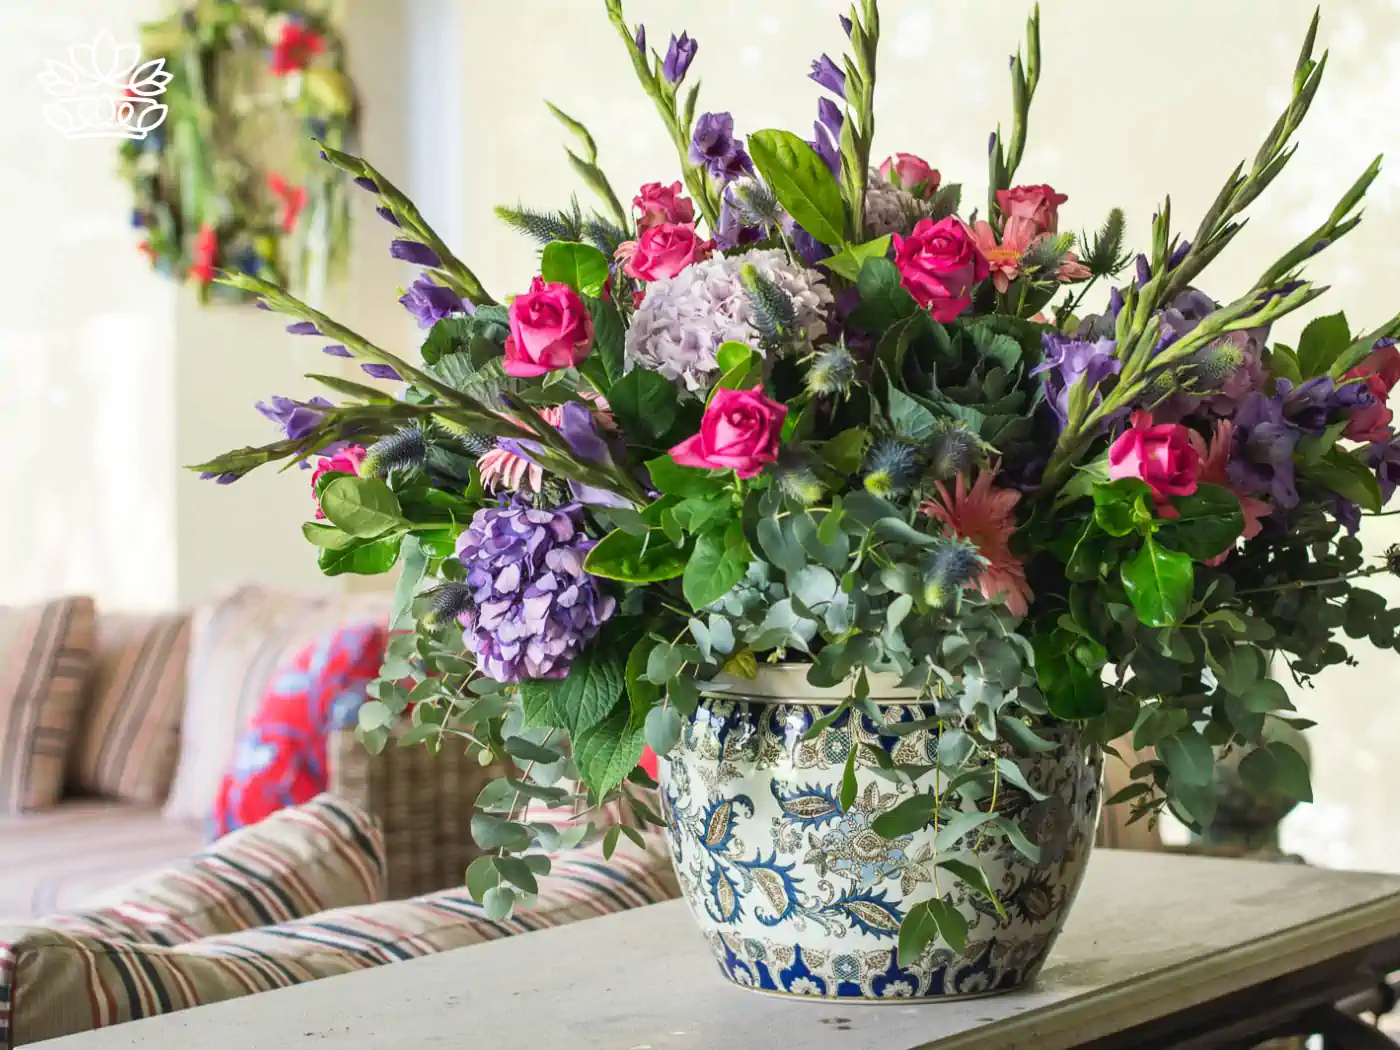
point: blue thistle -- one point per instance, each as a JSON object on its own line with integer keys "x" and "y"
{"x": 891, "y": 468}
{"x": 773, "y": 313}
{"x": 831, "y": 371}
{"x": 949, "y": 569}
{"x": 405, "y": 449}
{"x": 956, "y": 449}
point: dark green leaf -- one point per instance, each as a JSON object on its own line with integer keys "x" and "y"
{"x": 581, "y": 266}
{"x": 802, "y": 182}
{"x": 975, "y": 877}
{"x": 884, "y": 299}
{"x": 363, "y": 507}
{"x": 1188, "y": 757}
{"x": 911, "y": 421}
{"x": 909, "y": 816}
{"x": 328, "y": 537}
{"x": 515, "y": 870}
{"x": 529, "y": 751}
{"x": 482, "y": 876}
{"x": 846, "y": 451}
{"x": 719, "y": 561}
{"x": 595, "y": 684}
{"x": 1159, "y": 584}
{"x": 603, "y": 366}
{"x": 642, "y": 693}
{"x": 636, "y": 559}
{"x": 369, "y": 559}
{"x": 1265, "y": 696}
{"x": 492, "y": 832}
{"x": 497, "y": 903}
{"x": 916, "y": 932}
{"x": 848, "y": 780}
{"x": 607, "y": 752}
{"x": 644, "y": 404}
{"x": 1343, "y": 473}
{"x": 675, "y": 480}
{"x": 958, "y": 824}
{"x": 1208, "y": 522}
{"x": 1323, "y": 340}
{"x": 1072, "y": 690}
{"x": 1290, "y": 772}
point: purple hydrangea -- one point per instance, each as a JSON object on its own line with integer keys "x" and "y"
{"x": 533, "y": 607}
{"x": 678, "y": 58}
{"x": 715, "y": 146}
{"x": 429, "y": 302}
{"x": 1384, "y": 459}
{"x": 1261, "y": 459}
{"x": 1067, "y": 361}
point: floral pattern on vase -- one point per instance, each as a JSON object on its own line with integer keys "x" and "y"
{"x": 799, "y": 896}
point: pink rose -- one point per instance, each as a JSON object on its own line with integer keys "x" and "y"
{"x": 1040, "y": 204}
{"x": 1162, "y": 454}
{"x": 911, "y": 173}
{"x": 1384, "y": 363}
{"x": 659, "y": 204}
{"x": 550, "y": 328}
{"x": 663, "y": 251}
{"x": 1371, "y": 423}
{"x": 939, "y": 263}
{"x": 739, "y": 431}
{"x": 346, "y": 461}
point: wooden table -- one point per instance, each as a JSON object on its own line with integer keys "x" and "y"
{"x": 1160, "y": 951}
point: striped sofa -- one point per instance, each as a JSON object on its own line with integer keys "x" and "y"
{"x": 294, "y": 899}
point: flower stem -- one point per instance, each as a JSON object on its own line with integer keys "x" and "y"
{"x": 1303, "y": 585}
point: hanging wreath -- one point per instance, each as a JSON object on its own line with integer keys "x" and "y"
{"x": 232, "y": 180}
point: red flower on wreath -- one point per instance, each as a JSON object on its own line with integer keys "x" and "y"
{"x": 145, "y": 249}
{"x": 295, "y": 48}
{"x": 206, "y": 250}
{"x": 292, "y": 198}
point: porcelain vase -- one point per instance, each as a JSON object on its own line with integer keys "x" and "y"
{"x": 799, "y": 896}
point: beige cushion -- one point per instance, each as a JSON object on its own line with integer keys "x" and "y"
{"x": 131, "y": 737}
{"x": 45, "y": 658}
{"x": 236, "y": 645}
{"x": 61, "y": 983}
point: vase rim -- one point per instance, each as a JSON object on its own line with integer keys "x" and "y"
{"x": 788, "y": 681}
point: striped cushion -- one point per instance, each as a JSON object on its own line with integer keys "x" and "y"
{"x": 131, "y": 738}
{"x": 45, "y": 659}
{"x": 58, "y": 983}
{"x": 236, "y": 645}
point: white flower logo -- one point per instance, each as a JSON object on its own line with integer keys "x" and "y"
{"x": 105, "y": 91}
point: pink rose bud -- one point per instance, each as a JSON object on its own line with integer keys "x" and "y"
{"x": 739, "y": 431}
{"x": 1040, "y": 204}
{"x": 939, "y": 263}
{"x": 659, "y": 204}
{"x": 550, "y": 328}
{"x": 1162, "y": 454}
{"x": 663, "y": 251}
{"x": 911, "y": 173}
{"x": 346, "y": 461}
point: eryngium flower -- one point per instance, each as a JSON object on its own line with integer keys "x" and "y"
{"x": 948, "y": 571}
{"x": 891, "y": 468}
{"x": 533, "y": 607}
{"x": 684, "y": 320}
{"x": 831, "y": 371}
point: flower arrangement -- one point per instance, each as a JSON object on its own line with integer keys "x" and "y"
{"x": 806, "y": 405}
{"x": 241, "y": 73}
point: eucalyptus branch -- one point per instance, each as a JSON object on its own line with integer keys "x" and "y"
{"x": 1303, "y": 585}
{"x": 1025, "y": 78}
{"x": 587, "y": 166}
{"x": 453, "y": 271}
{"x": 858, "y": 132}
{"x": 663, "y": 95}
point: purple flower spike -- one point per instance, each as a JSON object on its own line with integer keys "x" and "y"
{"x": 296, "y": 420}
{"x": 366, "y": 183}
{"x": 303, "y": 328}
{"x": 413, "y": 252}
{"x": 1067, "y": 361}
{"x": 1384, "y": 459}
{"x": 829, "y": 75}
{"x": 533, "y": 608}
{"x": 832, "y": 117}
{"x": 226, "y": 478}
{"x": 388, "y": 216}
{"x": 679, "y": 56}
{"x": 381, "y": 372}
{"x": 715, "y": 146}
{"x": 641, "y": 40}
{"x": 846, "y": 24}
{"x": 1347, "y": 513}
{"x": 336, "y": 351}
{"x": 261, "y": 304}
{"x": 826, "y": 149}
{"x": 429, "y": 302}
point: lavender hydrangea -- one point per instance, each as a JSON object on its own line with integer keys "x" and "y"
{"x": 533, "y": 607}
{"x": 685, "y": 319}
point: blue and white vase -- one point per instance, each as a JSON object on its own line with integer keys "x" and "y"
{"x": 799, "y": 896}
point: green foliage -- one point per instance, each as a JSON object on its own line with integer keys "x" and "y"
{"x": 803, "y": 183}
{"x": 544, "y": 227}
{"x": 580, "y": 266}
{"x": 849, "y": 262}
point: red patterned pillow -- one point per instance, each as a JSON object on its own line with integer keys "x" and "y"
{"x": 281, "y": 756}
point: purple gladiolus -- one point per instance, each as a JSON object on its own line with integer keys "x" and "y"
{"x": 413, "y": 252}
{"x": 846, "y": 24}
{"x": 303, "y": 328}
{"x": 679, "y": 56}
{"x": 733, "y": 232}
{"x": 829, "y": 75}
{"x": 381, "y": 372}
{"x": 1384, "y": 459}
{"x": 827, "y": 134}
{"x": 832, "y": 117}
{"x": 388, "y": 216}
{"x": 580, "y": 430}
{"x": 1068, "y": 361}
{"x": 429, "y": 302}
{"x": 1347, "y": 513}
{"x": 1261, "y": 458}
{"x": 366, "y": 183}
{"x": 226, "y": 478}
{"x": 336, "y": 351}
{"x": 641, "y": 40}
{"x": 1309, "y": 405}
{"x": 296, "y": 419}
{"x": 809, "y": 249}
{"x": 715, "y": 146}
{"x": 533, "y": 607}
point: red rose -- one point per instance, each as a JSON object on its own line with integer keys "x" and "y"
{"x": 939, "y": 263}
{"x": 661, "y": 204}
{"x": 663, "y": 251}
{"x": 739, "y": 431}
{"x": 550, "y": 328}
{"x": 1163, "y": 455}
{"x": 1040, "y": 204}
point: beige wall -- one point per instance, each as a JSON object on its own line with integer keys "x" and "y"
{"x": 1137, "y": 100}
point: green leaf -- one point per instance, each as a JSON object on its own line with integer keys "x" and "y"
{"x": 846, "y": 451}
{"x": 884, "y": 299}
{"x": 1188, "y": 757}
{"x": 1072, "y": 690}
{"x": 362, "y": 507}
{"x": 1123, "y": 507}
{"x": 848, "y": 780}
{"x": 529, "y": 751}
{"x": 734, "y": 354}
{"x": 1344, "y": 473}
{"x": 1323, "y": 341}
{"x": 492, "y": 832}
{"x": 719, "y": 561}
{"x": 644, "y": 404}
{"x": 1238, "y": 668}
{"x": 1290, "y": 772}
{"x": 452, "y": 335}
{"x": 909, "y": 816}
{"x": 328, "y": 537}
{"x": 916, "y": 932}
{"x": 911, "y": 420}
{"x": 642, "y": 693}
{"x": 802, "y": 182}
{"x": 515, "y": 870}
{"x": 497, "y": 903}
{"x": 780, "y": 546}
{"x": 1258, "y": 769}
{"x": 581, "y": 266}
{"x": 1265, "y": 696}
{"x": 635, "y": 559}
{"x": 606, "y": 752}
{"x": 1159, "y": 584}
{"x": 1208, "y": 524}
{"x": 603, "y": 367}
{"x": 675, "y": 480}
{"x": 588, "y": 695}
{"x": 958, "y": 825}
{"x": 848, "y": 263}
{"x": 975, "y": 877}
{"x": 1282, "y": 362}
{"x": 374, "y": 714}
{"x": 1011, "y": 772}
{"x": 415, "y": 566}
{"x": 482, "y": 876}
{"x": 662, "y": 729}
{"x": 368, "y": 559}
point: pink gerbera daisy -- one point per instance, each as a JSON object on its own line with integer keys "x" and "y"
{"x": 984, "y": 516}
{"x": 1005, "y": 256}
{"x": 504, "y": 469}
